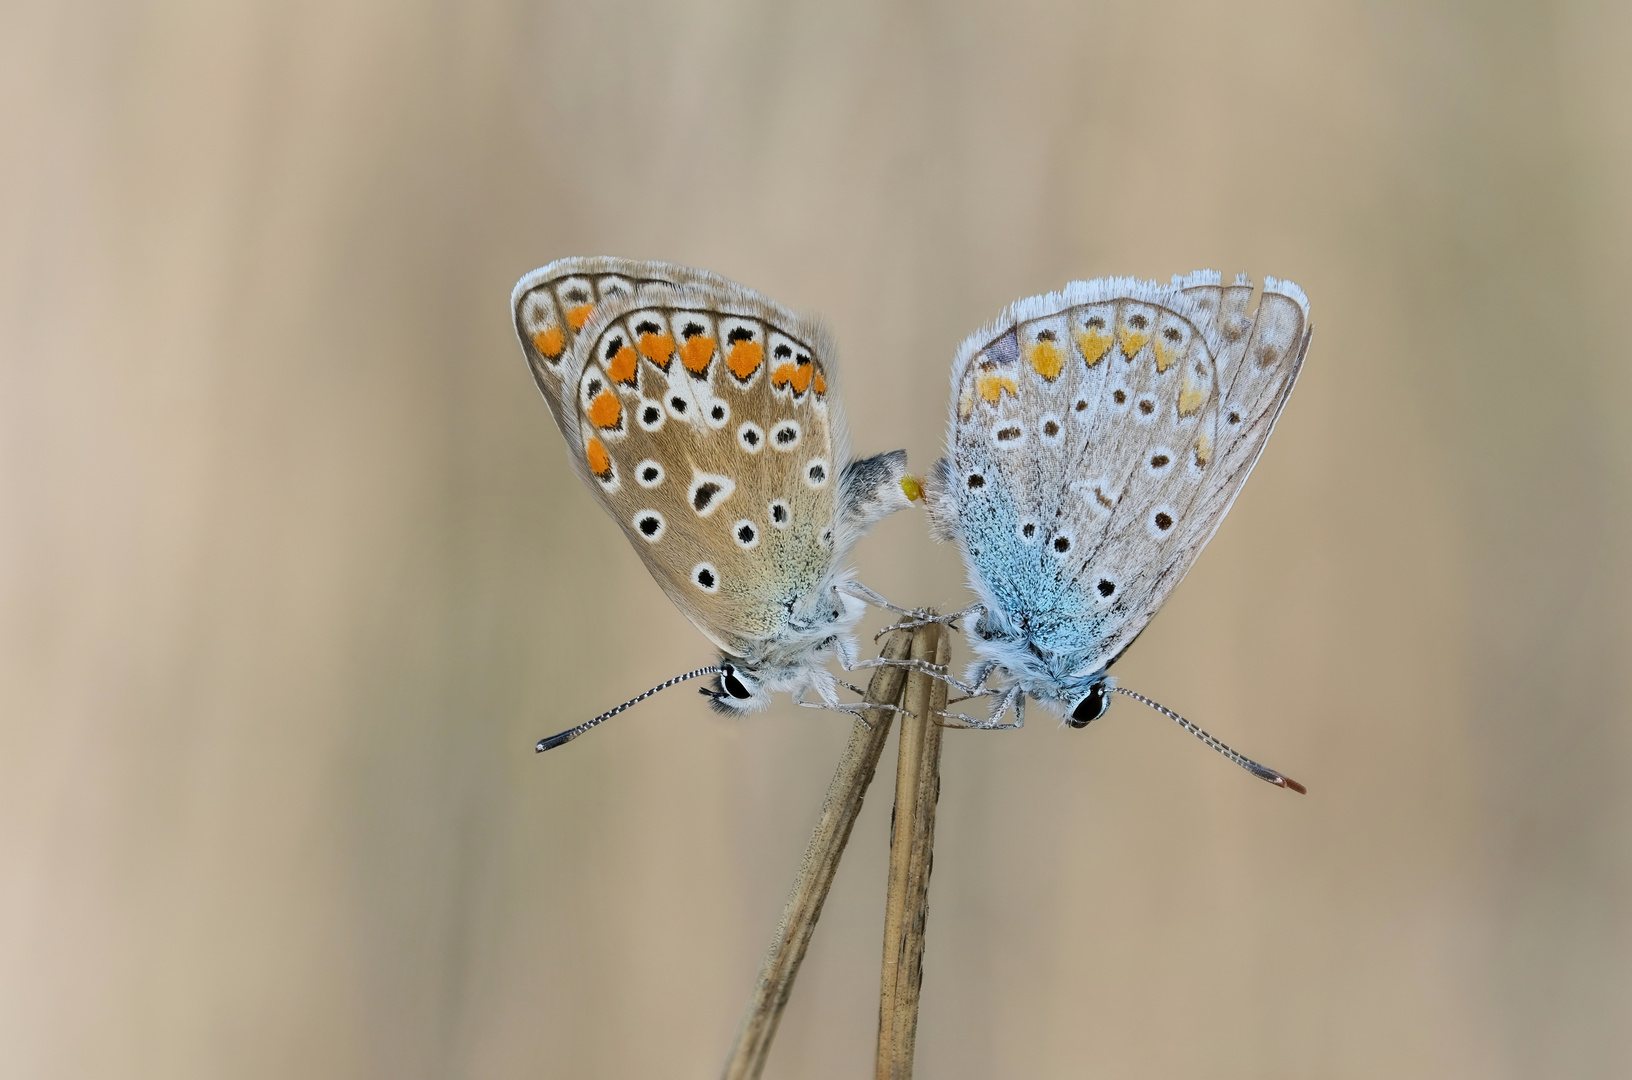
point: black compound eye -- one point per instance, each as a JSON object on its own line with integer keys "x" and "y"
{"x": 733, "y": 685}
{"x": 1090, "y": 708}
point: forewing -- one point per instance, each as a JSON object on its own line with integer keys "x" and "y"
{"x": 553, "y": 304}
{"x": 1093, "y": 454}
{"x": 705, "y": 419}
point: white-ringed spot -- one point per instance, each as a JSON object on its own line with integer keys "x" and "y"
{"x": 1060, "y": 544}
{"x": 780, "y": 514}
{"x": 751, "y": 437}
{"x": 706, "y": 577}
{"x": 718, "y": 413}
{"x": 649, "y": 414}
{"x": 1027, "y": 532}
{"x": 648, "y": 474}
{"x": 708, "y": 491}
{"x": 746, "y": 534}
{"x": 1160, "y": 458}
{"x": 1052, "y": 430}
{"x": 1161, "y": 521}
{"x": 785, "y": 435}
{"x": 650, "y": 525}
{"x": 817, "y": 472}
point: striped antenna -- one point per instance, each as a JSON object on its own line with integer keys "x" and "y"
{"x": 1262, "y": 772}
{"x": 572, "y": 733}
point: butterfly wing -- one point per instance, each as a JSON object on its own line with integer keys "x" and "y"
{"x": 553, "y": 304}
{"x": 705, "y": 419}
{"x": 1099, "y": 436}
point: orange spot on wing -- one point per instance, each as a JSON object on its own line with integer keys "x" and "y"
{"x": 605, "y": 411}
{"x": 658, "y": 348}
{"x": 991, "y": 388}
{"x": 820, "y": 384}
{"x": 802, "y": 376}
{"x": 1204, "y": 450}
{"x": 1046, "y": 359}
{"x": 1191, "y": 400}
{"x": 550, "y": 341}
{"x": 745, "y": 358}
{"x": 798, "y": 376}
{"x": 1094, "y": 345}
{"x": 1132, "y": 342}
{"x": 696, "y": 353}
{"x": 578, "y": 316}
{"x": 1164, "y": 356}
{"x": 621, "y": 368}
{"x": 600, "y": 462}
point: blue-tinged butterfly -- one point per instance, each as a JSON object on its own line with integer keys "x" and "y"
{"x": 1098, "y": 437}
{"x": 705, "y": 418}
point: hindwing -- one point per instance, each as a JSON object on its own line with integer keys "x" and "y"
{"x": 1098, "y": 437}
{"x": 705, "y": 419}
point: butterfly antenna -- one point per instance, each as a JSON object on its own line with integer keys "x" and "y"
{"x": 1262, "y": 772}
{"x": 572, "y": 733}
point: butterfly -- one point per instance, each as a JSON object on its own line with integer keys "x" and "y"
{"x": 1098, "y": 437}
{"x": 705, "y": 419}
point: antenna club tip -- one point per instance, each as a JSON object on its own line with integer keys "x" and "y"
{"x": 1288, "y": 782}
{"x": 553, "y": 741}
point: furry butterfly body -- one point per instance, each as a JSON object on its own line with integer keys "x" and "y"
{"x": 705, "y": 419}
{"x": 1098, "y": 437}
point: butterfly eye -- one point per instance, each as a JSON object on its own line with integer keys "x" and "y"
{"x": 1090, "y": 708}
{"x": 732, "y": 684}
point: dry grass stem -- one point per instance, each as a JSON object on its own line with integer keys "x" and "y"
{"x": 838, "y": 815}
{"x": 917, "y": 789}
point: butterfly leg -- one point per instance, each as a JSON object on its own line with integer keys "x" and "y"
{"x": 857, "y": 709}
{"x": 935, "y": 671}
{"x": 994, "y": 722}
{"x": 923, "y": 618}
{"x": 862, "y": 592}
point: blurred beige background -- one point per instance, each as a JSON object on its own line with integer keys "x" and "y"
{"x": 293, "y": 570}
